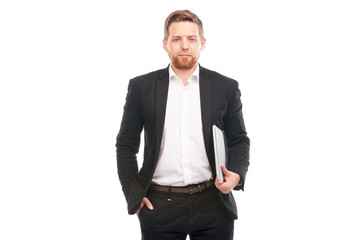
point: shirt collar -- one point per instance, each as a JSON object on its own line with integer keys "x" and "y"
{"x": 194, "y": 75}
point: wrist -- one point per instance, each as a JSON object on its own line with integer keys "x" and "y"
{"x": 238, "y": 179}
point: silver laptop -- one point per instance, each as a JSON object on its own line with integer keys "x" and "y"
{"x": 220, "y": 152}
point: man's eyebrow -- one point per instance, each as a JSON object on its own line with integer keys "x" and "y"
{"x": 184, "y": 36}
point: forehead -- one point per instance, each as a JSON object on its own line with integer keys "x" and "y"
{"x": 183, "y": 29}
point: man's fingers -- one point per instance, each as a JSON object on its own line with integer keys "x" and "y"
{"x": 223, "y": 187}
{"x": 230, "y": 181}
{"x": 138, "y": 211}
{"x": 147, "y": 203}
{"x": 224, "y": 170}
{"x": 217, "y": 184}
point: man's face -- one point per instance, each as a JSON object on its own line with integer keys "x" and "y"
{"x": 184, "y": 44}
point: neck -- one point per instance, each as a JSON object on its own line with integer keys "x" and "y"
{"x": 184, "y": 74}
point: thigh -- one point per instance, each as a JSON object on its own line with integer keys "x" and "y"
{"x": 209, "y": 219}
{"x": 166, "y": 221}
{"x": 224, "y": 231}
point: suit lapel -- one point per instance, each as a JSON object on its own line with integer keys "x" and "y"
{"x": 206, "y": 106}
{"x": 162, "y": 86}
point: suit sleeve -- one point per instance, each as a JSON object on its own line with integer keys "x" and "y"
{"x": 128, "y": 139}
{"x": 236, "y": 135}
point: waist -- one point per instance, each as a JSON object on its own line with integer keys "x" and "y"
{"x": 190, "y": 189}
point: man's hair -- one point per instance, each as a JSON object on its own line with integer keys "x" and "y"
{"x": 182, "y": 16}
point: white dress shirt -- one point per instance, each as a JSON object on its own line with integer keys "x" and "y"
{"x": 182, "y": 159}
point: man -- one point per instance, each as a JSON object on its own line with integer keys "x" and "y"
{"x": 176, "y": 192}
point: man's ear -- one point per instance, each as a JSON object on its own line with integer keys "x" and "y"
{"x": 203, "y": 42}
{"x": 164, "y": 44}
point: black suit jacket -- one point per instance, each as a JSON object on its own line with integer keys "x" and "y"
{"x": 145, "y": 108}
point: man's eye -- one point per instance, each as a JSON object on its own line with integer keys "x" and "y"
{"x": 192, "y": 39}
{"x": 175, "y": 39}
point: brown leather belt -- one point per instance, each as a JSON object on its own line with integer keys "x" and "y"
{"x": 191, "y": 189}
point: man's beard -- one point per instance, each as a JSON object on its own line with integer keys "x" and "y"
{"x": 184, "y": 63}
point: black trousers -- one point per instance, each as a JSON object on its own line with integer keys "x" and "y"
{"x": 176, "y": 215}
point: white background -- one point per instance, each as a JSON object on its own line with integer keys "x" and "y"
{"x": 64, "y": 70}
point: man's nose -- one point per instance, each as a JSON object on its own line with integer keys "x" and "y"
{"x": 184, "y": 44}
